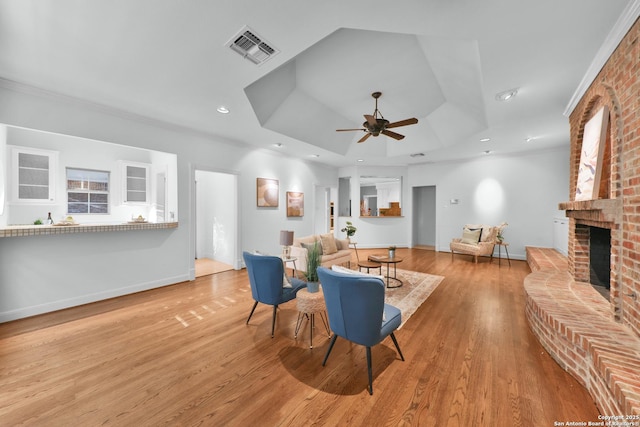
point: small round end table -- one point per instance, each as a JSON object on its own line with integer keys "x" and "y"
{"x": 368, "y": 264}
{"x": 310, "y": 303}
{"x": 386, "y": 260}
{"x": 504, "y": 245}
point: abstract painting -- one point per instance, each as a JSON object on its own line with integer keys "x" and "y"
{"x": 593, "y": 144}
{"x": 295, "y": 203}
{"x": 267, "y": 192}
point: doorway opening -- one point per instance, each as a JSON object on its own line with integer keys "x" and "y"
{"x": 215, "y": 222}
{"x": 424, "y": 217}
{"x": 323, "y": 216}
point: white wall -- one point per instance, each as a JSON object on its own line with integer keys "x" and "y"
{"x": 45, "y": 273}
{"x": 522, "y": 190}
{"x": 3, "y": 165}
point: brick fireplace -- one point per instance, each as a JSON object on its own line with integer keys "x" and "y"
{"x": 586, "y": 217}
{"x": 595, "y": 339}
{"x": 617, "y": 199}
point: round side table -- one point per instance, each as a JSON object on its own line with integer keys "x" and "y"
{"x": 308, "y": 305}
{"x": 293, "y": 260}
{"x": 386, "y": 260}
{"x": 368, "y": 264}
{"x": 504, "y": 245}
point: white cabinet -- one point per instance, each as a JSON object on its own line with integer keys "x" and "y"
{"x": 135, "y": 179}
{"x": 33, "y": 175}
{"x": 561, "y": 235}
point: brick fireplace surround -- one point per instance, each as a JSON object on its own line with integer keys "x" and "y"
{"x": 595, "y": 339}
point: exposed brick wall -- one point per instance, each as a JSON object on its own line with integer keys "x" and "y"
{"x": 618, "y": 87}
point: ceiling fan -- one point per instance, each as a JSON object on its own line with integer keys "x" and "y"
{"x": 376, "y": 124}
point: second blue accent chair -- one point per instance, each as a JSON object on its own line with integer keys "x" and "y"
{"x": 266, "y": 274}
{"x": 357, "y": 311}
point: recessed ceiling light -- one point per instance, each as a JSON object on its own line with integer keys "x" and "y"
{"x": 506, "y": 95}
{"x": 223, "y": 110}
{"x": 529, "y": 139}
{"x": 361, "y": 160}
{"x": 486, "y": 152}
{"x": 278, "y": 144}
{"x": 485, "y": 139}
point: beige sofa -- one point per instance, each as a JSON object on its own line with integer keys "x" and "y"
{"x": 470, "y": 245}
{"x": 341, "y": 256}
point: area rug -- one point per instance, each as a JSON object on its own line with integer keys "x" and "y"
{"x": 416, "y": 288}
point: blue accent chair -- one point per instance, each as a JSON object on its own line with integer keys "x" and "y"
{"x": 357, "y": 311}
{"x": 266, "y": 275}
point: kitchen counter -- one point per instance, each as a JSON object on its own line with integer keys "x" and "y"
{"x": 45, "y": 230}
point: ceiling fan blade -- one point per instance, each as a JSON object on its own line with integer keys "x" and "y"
{"x": 364, "y": 138}
{"x": 392, "y": 134}
{"x": 406, "y": 122}
{"x": 371, "y": 120}
{"x": 347, "y": 130}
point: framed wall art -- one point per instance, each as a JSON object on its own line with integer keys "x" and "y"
{"x": 593, "y": 144}
{"x": 267, "y": 193}
{"x": 295, "y": 203}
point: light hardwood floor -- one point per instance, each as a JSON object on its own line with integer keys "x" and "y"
{"x": 183, "y": 355}
{"x": 206, "y": 266}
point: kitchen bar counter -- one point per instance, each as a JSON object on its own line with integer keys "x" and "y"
{"x": 45, "y": 230}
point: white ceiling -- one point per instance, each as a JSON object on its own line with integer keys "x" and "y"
{"x": 440, "y": 61}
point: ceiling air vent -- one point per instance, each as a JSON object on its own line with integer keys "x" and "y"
{"x": 252, "y": 46}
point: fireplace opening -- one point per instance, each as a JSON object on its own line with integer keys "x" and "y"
{"x": 600, "y": 259}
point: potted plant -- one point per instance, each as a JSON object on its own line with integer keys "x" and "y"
{"x": 313, "y": 262}
{"x": 392, "y": 251}
{"x": 500, "y": 235}
{"x": 349, "y": 229}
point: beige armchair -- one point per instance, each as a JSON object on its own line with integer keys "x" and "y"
{"x": 476, "y": 240}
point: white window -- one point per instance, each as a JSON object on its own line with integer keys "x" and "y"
{"x": 34, "y": 173}
{"x": 87, "y": 191}
{"x": 136, "y": 183}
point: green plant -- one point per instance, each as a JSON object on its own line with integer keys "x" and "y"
{"x": 349, "y": 229}
{"x": 37, "y": 222}
{"x": 313, "y": 262}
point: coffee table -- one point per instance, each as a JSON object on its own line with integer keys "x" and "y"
{"x": 386, "y": 260}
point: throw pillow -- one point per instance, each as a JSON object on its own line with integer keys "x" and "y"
{"x": 309, "y": 246}
{"x": 471, "y": 236}
{"x": 480, "y": 227}
{"x": 328, "y": 244}
{"x": 285, "y": 281}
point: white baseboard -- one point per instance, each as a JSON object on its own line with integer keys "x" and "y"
{"x": 49, "y": 307}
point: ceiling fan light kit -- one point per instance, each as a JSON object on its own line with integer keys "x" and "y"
{"x": 376, "y": 124}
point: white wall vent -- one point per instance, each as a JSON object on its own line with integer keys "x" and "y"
{"x": 252, "y": 46}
